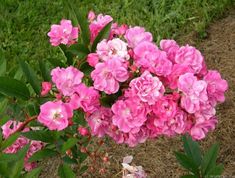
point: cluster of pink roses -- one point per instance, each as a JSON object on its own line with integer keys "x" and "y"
{"x": 9, "y": 128}
{"x": 164, "y": 91}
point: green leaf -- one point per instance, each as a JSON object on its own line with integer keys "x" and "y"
{"x": 45, "y": 71}
{"x": 209, "y": 159}
{"x": 3, "y": 66}
{"x": 192, "y": 149}
{"x": 216, "y": 171}
{"x": 14, "y": 88}
{"x": 34, "y": 173}
{"x": 31, "y": 76}
{"x": 9, "y": 141}
{"x": 79, "y": 50}
{"x": 3, "y": 105}
{"x": 68, "y": 144}
{"x": 79, "y": 118}
{"x": 64, "y": 171}
{"x": 18, "y": 74}
{"x": 45, "y": 153}
{"x": 42, "y": 135}
{"x": 103, "y": 34}
{"x": 83, "y": 169}
{"x": 3, "y": 120}
{"x": 69, "y": 160}
{"x": 56, "y": 62}
{"x": 187, "y": 163}
{"x": 4, "y": 170}
{"x": 83, "y": 23}
{"x": 68, "y": 55}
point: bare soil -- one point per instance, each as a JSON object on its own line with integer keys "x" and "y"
{"x": 157, "y": 156}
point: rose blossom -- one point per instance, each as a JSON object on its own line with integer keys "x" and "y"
{"x": 189, "y": 56}
{"x": 92, "y": 59}
{"x": 55, "y": 115}
{"x": 64, "y": 33}
{"x": 128, "y": 115}
{"x": 194, "y": 92}
{"x": 170, "y": 47}
{"x": 112, "y": 48}
{"x": 147, "y": 88}
{"x": 46, "y": 87}
{"x": 108, "y": 74}
{"x": 99, "y": 121}
{"x": 67, "y": 79}
{"x": 136, "y": 35}
{"x": 216, "y": 86}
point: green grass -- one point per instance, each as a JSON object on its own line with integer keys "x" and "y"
{"x": 24, "y": 23}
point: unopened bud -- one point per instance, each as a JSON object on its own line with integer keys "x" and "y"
{"x": 83, "y": 131}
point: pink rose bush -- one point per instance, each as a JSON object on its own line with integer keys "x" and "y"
{"x": 114, "y": 81}
{"x": 164, "y": 90}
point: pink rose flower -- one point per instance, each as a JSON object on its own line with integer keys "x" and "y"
{"x": 147, "y": 88}
{"x": 136, "y": 35}
{"x": 128, "y": 115}
{"x": 189, "y": 56}
{"x": 67, "y": 79}
{"x": 199, "y": 130}
{"x": 92, "y": 59}
{"x": 91, "y": 16}
{"x": 85, "y": 97}
{"x": 55, "y": 115}
{"x": 46, "y": 87}
{"x": 97, "y": 25}
{"x": 118, "y": 30}
{"x": 112, "y": 48}
{"x": 64, "y": 33}
{"x": 108, "y": 74}
{"x": 99, "y": 121}
{"x": 165, "y": 108}
{"x": 170, "y": 47}
{"x": 216, "y": 87}
{"x": 137, "y": 136}
{"x": 194, "y": 92}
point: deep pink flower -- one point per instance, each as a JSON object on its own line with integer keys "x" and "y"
{"x": 118, "y": 30}
{"x": 46, "y": 87}
{"x": 216, "y": 86}
{"x": 189, "y": 56}
{"x": 128, "y": 115}
{"x": 67, "y": 79}
{"x": 136, "y": 35}
{"x": 83, "y": 131}
{"x": 170, "y": 47}
{"x": 64, "y": 33}
{"x": 85, "y": 97}
{"x": 165, "y": 107}
{"x": 108, "y": 74}
{"x": 112, "y": 48}
{"x": 100, "y": 121}
{"x": 98, "y": 24}
{"x": 55, "y": 115}
{"x": 199, "y": 130}
{"x": 92, "y": 59}
{"x": 147, "y": 88}
{"x": 194, "y": 92}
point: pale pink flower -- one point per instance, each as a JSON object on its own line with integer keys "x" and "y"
{"x": 147, "y": 88}
{"x": 189, "y": 56}
{"x": 99, "y": 121}
{"x": 136, "y": 136}
{"x": 46, "y": 87}
{"x": 67, "y": 79}
{"x": 136, "y": 35}
{"x": 85, "y": 97}
{"x": 112, "y": 48}
{"x": 199, "y": 130}
{"x": 91, "y": 16}
{"x": 98, "y": 24}
{"x": 118, "y": 30}
{"x": 216, "y": 86}
{"x": 92, "y": 59}
{"x": 108, "y": 74}
{"x": 194, "y": 92}
{"x": 128, "y": 115}
{"x": 64, "y": 33}
{"x": 170, "y": 47}
{"x": 55, "y": 115}
{"x": 205, "y": 112}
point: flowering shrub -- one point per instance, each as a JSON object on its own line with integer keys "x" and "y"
{"x": 116, "y": 82}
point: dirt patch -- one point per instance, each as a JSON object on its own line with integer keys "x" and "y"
{"x": 157, "y": 156}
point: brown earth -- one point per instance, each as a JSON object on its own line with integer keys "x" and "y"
{"x": 157, "y": 156}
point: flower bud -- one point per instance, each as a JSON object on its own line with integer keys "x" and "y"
{"x": 83, "y": 131}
